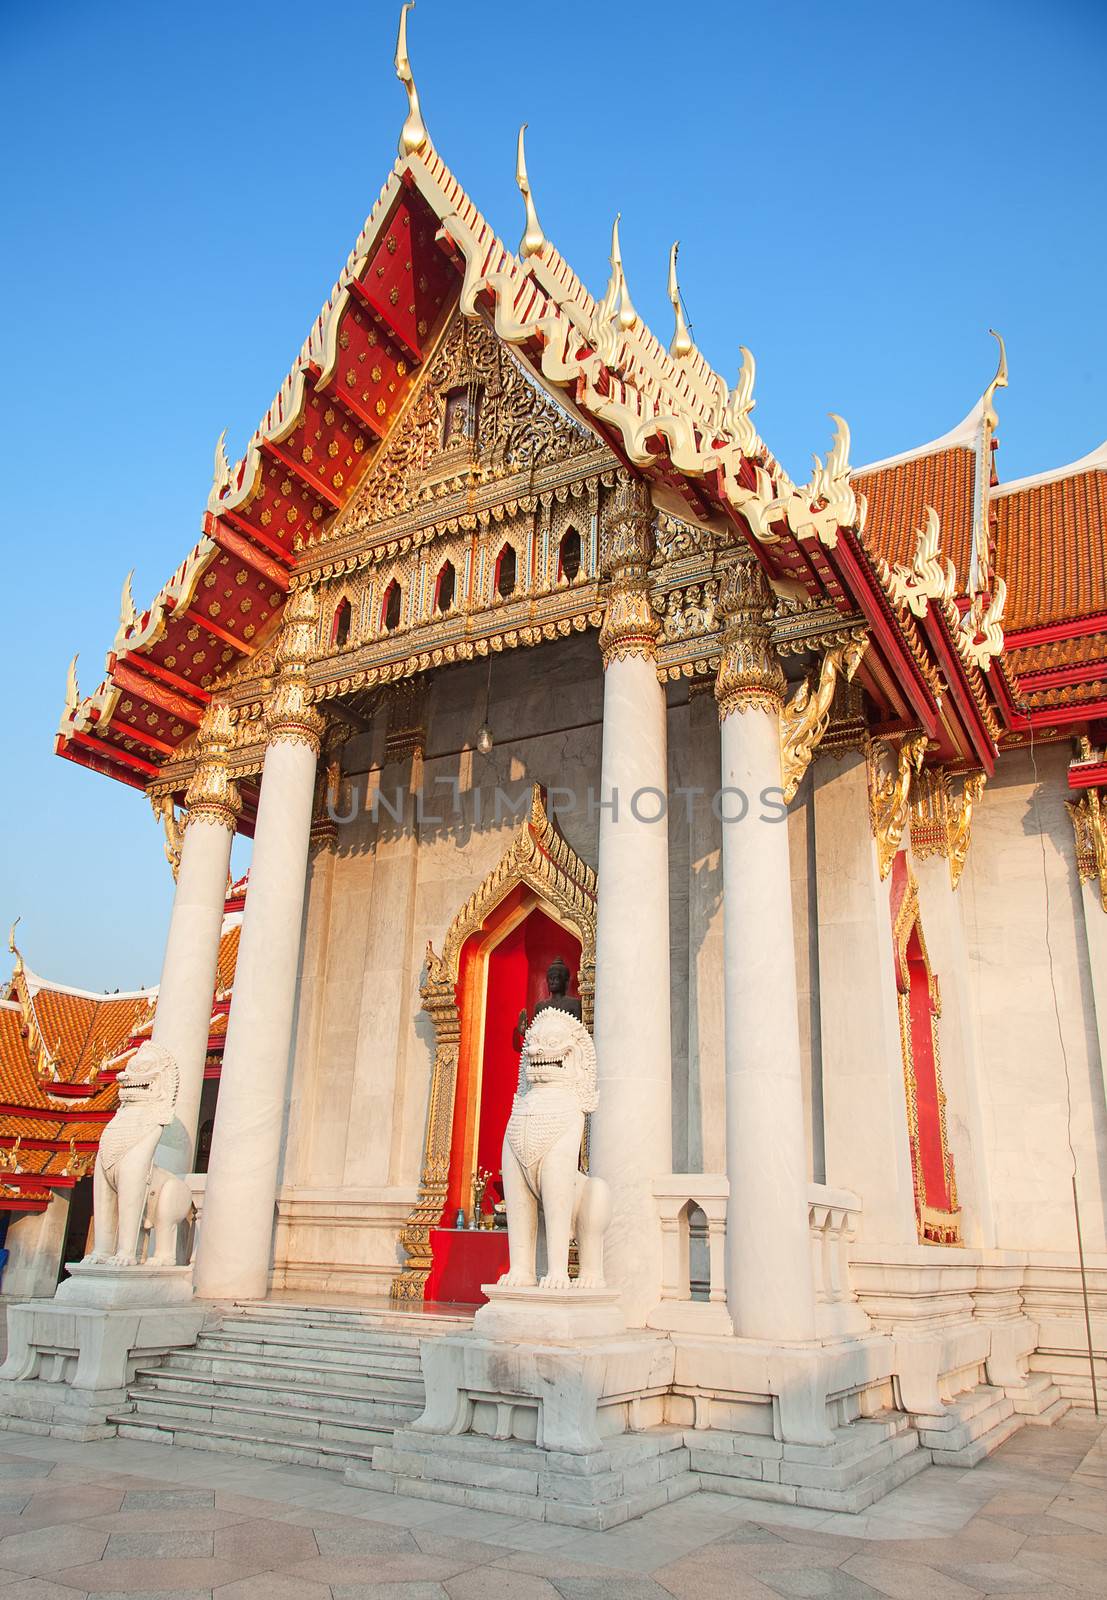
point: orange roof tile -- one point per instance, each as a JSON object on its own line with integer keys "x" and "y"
{"x": 1051, "y": 546}
{"x": 899, "y": 493}
{"x": 228, "y": 957}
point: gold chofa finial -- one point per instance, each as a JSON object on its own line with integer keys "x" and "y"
{"x": 12, "y": 946}
{"x": 413, "y": 135}
{"x": 533, "y": 241}
{"x": 998, "y": 382}
{"x": 682, "y": 340}
{"x": 72, "y": 692}
{"x": 127, "y": 602}
{"x": 625, "y": 314}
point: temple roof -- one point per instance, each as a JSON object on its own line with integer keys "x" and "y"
{"x": 666, "y": 415}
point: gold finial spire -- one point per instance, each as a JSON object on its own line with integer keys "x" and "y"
{"x": 13, "y": 947}
{"x": 72, "y": 692}
{"x": 998, "y": 382}
{"x": 533, "y": 241}
{"x": 682, "y": 340}
{"x": 413, "y": 135}
{"x": 625, "y": 314}
{"x": 127, "y": 602}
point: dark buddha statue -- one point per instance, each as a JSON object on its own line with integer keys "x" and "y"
{"x": 557, "y": 985}
{"x": 557, "y": 982}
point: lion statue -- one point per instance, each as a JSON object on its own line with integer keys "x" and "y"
{"x": 130, "y": 1194}
{"x": 541, "y": 1157}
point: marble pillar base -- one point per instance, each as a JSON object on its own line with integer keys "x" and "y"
{"x": 96, "y": 1283}
{"x": 70, "y": 1359}
{"x": 548, "y": 1316}
{"x": 560, "y": 1396}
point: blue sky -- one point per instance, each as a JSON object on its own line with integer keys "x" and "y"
{"x": 860, "y": 191}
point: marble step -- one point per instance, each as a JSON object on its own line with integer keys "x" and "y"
{"x": 974, "y": 1426}
{"x": 261, "y": 1444}
{"x": 1038, "y": 1400}
{"x": 294, "y": 1425}
{"x": 231, "y": 1364}
{"x": 846, "y": 1475}
{"x": 412, "y": 1325}
{"x": 351, "y": 1404}
{"x": 850, "y": 1496}
{"x": 630, "y": 1475}
{"x": 299, "y": 1348}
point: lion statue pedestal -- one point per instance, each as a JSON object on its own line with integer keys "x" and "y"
{"x": 71, "y": 1358}
{"x": 550, "y": 1398}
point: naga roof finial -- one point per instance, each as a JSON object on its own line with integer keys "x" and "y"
{"x": 533, "y": 241}
{"x": 682, "y": 340}
{"x": 413, "y": 135}
{"x": 72, "y": 692}
{"x": 13, "y": 947}
{"x": 625, "y": 314}
{"x": 127, "y": 611}
{"x": 991, "y": 421}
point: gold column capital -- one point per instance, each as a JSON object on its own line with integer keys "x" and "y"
{"x": 212, "y": 794}
{"x": 626, "y": 548}
{"x": 750, "y": 676}
{"x": 289, "y": 714}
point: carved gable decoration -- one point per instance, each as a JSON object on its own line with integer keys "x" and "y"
{"x": 476, "y": 417}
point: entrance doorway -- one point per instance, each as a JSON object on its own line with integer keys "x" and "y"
{"x": 501, "y": 982}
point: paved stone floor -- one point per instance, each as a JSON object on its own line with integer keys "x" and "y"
{"x": 126, "y": 1518}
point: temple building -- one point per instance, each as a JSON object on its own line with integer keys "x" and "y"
{"x": 534, "y": 677}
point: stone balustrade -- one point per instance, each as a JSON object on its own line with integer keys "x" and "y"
{"x": 692, "y": 1211}
{"x": 832, "y": 1216}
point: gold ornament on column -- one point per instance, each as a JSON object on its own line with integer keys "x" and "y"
{"x": 890, "y": 792}
{"x": 289, "y": 713}
{"x": 806, "y": 717}
{"x": 630, "y": 627}
{"x": 750, "y": 675}
{"x": 960, "y": 826}
{"x": 211, "y": 793}
{"x": 1089, "y": 823}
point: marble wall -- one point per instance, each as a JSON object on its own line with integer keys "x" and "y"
{"x": 1033, "y": 1002}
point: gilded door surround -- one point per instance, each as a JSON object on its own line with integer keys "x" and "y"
{"x": 539, "y": 859}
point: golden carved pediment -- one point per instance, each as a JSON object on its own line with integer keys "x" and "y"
{"x": 476, "y": 417}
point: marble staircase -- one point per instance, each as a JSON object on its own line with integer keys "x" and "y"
{"x": 316, "y": 1386}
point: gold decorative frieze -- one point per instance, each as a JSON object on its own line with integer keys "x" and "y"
{"x": 890, "y": 775}
{"x": 806, "y": 717}
{"x": 940, "y": 824}
{"x": 1089, "y": 823}
{"x": 750, "y": 675}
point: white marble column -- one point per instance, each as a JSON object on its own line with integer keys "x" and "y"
{"x": 237, "y": 1232}
{"x": 631, "y": 1142}
{"x": 770, "y": 1292}
{"x": 183, "y": 1017}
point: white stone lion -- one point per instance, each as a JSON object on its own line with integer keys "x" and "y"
{"x": 541, "y": 1157}
{"x": 129, "y": 1192}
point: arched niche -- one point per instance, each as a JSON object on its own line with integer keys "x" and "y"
{"x": 538, "y": 869}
